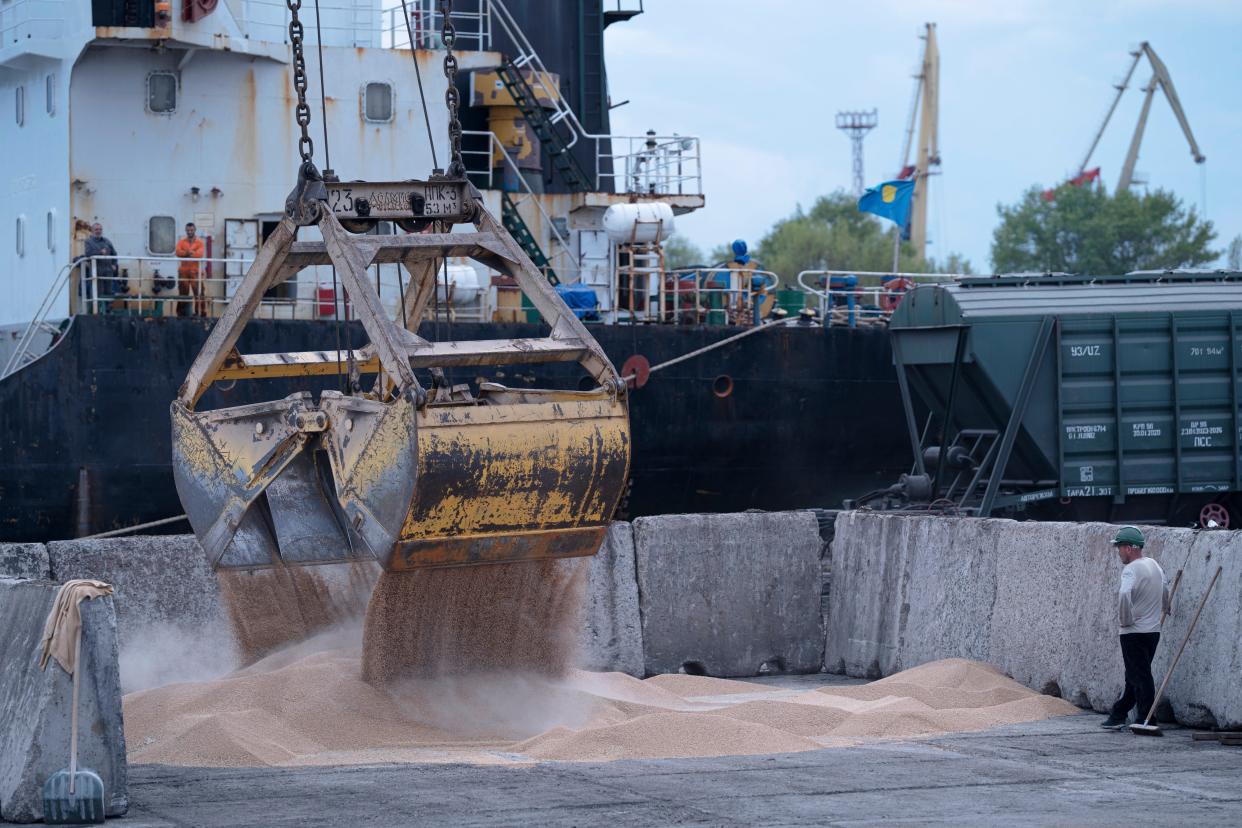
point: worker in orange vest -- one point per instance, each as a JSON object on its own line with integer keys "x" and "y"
{"x": 188, "y": 274}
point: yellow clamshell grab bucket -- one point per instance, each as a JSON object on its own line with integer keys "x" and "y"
{"x": 409, "y": 476}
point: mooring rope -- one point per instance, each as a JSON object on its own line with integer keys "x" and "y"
{"x": 705, "y": 349}
{"x": 135, "y": 528}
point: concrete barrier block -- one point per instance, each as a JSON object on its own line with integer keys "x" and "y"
{"x": 612, "y": 638}
{"x": 867, "y": 604}
{"x": 951, "y": 594}
{"x": 24, "y": 560}
{"x": 159, "y": 580}
{"x": 1203, "y": 690}
{"x": 35, "y": 705}
{"x": 171, "y": 619}
{"x": 1038, "y": 600}
{"x": 1047, "y": 574}
{"x": 729, "y": 595}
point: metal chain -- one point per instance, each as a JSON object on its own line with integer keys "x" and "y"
{"x": 302, "y": 111}
{"x": 452, "y": 99}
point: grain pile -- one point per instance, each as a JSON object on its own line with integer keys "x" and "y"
{"x": 460, "y": 620}
{"x": 308, "y": 705}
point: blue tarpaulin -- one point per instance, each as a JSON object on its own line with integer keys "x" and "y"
{"x": 581, "y": 300}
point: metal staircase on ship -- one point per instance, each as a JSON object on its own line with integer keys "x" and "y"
{"x": 517, "y": 227}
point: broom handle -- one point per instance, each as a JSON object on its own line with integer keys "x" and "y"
{"x": 1193, "y": 621}
{"x": 73, "y": 715}
{"x": 1177, "y": 579}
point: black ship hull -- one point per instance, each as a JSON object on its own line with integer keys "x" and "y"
{"x": 784, "y": 419}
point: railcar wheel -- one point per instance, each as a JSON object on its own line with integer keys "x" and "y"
{"x": 1214, "y": 516}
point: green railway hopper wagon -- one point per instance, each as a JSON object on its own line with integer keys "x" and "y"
{"x": 1073, "y": 397}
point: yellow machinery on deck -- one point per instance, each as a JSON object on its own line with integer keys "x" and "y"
{"x": 410, "y": 476}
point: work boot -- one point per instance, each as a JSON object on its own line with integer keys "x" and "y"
{"x": 1113, "y": 723}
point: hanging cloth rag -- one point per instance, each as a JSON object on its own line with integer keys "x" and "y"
{"x": 64, "y": 622}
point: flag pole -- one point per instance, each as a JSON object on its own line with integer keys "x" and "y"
{"x": 896, "y": 245}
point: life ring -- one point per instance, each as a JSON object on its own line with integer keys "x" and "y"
{"x": 893, "y": 291}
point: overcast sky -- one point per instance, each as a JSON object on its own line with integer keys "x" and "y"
{"x": 1024, "y": 86}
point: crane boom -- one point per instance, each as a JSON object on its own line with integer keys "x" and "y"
{"x": 928, "y": 149}
{"x": 1160, "y": 78}
{"x": 1127, "y": 169}
{"x": 1121, "y": 89}
{"x": 1166, "y": 83}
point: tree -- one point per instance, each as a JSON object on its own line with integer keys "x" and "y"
{"x": 721, "y": 253}
{"x": 955, "y": 263}
{"x": 834, "y": 235}
{"x": 1234, "y": 255}
{"x": 680, "y": 252}
{"x": 1086, "y": 230}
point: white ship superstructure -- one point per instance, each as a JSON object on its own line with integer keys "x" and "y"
{"x": 188, "y": 117}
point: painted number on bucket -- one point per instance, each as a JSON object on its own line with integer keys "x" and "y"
{"x": 441, "y": 201}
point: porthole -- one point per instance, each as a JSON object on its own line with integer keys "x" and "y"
{"x": 19, "y": 101}
{"x": 722, "y": 386}
{"x": 21, "y": 236}
{"x": 161, "y": 235}
{"x": 162, "y": 93}
{"x": 50, "y": 92}
{"x": 377, "y": 102}
{"x": 51, "y": 231}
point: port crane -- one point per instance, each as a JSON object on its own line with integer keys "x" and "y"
{"x": 925, "y": 113}
{"x": 1161, "y": 79}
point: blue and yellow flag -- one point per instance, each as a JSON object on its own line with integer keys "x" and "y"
{"x": 890, "y": 200}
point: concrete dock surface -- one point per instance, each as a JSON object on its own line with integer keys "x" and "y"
{"x": 1054, "y": 772}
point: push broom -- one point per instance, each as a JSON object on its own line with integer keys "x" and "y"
{"x": 1147, "y": 728}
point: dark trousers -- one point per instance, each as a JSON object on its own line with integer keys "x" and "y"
{"x": 1137, "y": 650}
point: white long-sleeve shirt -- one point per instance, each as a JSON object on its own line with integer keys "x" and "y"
{"x": 1143, "y": 595}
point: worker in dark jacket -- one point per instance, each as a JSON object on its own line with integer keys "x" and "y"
{"x": 1142, "y": 601}
{"x": 104, "y": 269}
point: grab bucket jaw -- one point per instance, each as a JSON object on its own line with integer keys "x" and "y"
{"x": 451, "y": 485}
{"x": 258, "y": 482}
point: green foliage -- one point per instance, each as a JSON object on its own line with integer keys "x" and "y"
{"x": 955, "y": 263}
{"x": 1086, "y": 230}
{"x": 680, "y": 252}
{"x": 1234, "y": 255}
{"x": 721, "y": 253}
{"x": 834, "y": 235}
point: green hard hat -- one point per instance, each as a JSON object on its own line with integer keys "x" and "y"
{"x": 1130, "y": 535}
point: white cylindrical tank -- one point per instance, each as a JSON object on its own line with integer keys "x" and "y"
{"x": 467, "y": 284}
{"x": 638, "y": 222}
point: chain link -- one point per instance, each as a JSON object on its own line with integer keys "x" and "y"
{"x": 302, "y": 112}
{"x": 452, "y": 98}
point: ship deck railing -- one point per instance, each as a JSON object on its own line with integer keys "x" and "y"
{"x": 694, "y": 295}
{"x": 151, "y": 286}
{"x": 862, "y": 297}
{"x": 474, "y": 26}
{"x": 648, "y": 164}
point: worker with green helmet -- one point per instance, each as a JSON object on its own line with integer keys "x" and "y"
{"x": 1141, "y": 603}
